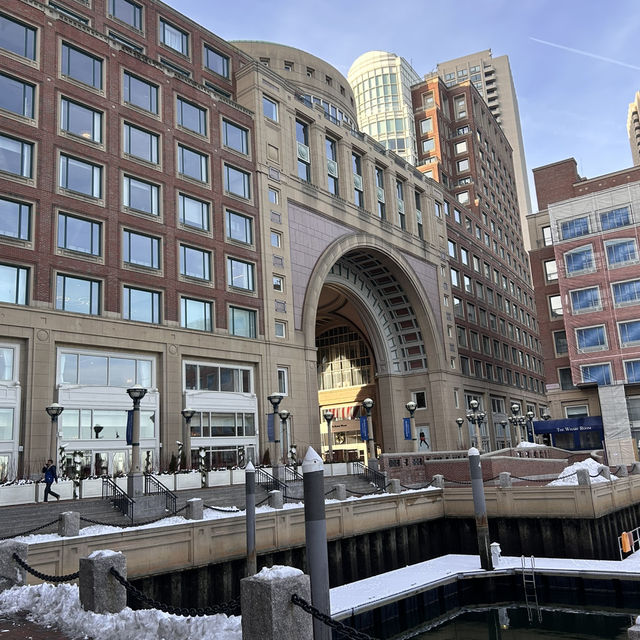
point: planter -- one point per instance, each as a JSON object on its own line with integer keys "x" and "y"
{"x": 218, "y": 479}
{"x": 237, "y": 476}
{"x": 122, "y": 483}
{"x": 167, "y": 480}
{"x": 64, "y": 488}
{"x": 187, "y": 481}
{"x": 337, "y": 469}
{"x": 17, "y": 494}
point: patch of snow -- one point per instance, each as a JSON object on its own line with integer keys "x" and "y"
{"x": 569, "y": 475}
{"x": 529, "y": 445}
{"x": 277, "y": 572}
{"x": 104, "y": 553}
{"x": 473, "y": 452}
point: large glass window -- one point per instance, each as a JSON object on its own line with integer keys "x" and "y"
{"x": 16, "y": 156}
{"x": 140, "y": 93}
{"x": 140, "y": 143}
{"x": 632, "y": 370}
{"x": 579, "y": 260}
{"x": 304, "y": 154}
{"x": 140, "y": 195}
{"x": 141, "y": 305}
{"x": 621, "y": 252}
{"x": 81, "y": 177}
{"x": 240, "y": 274}
{"x": 211, "y": 377}
{"x": 17, "y": 96}
{"x": 216, "y": 62}
{"x": 192, "y": 164}
{"x": 140, "y": 249}
{"x": 379, "y": 175}
{"x": 629, "y": 333}
{"x": 574, "y": 228}
{"x": 196, "y": 314}
{"x": 332, "y": 165}
{"x": 80, "y": 120}
{"x": 15, "y": 219}
{"x": 615, "y": 218}
{"x": 358, "y": 186}
{"x": 239, "y": 227}
{"x": 174, "y": 37}
{"x": 127, "y": 11}
{"x": 81, "y": 66}
{"x": 13, "y": 284}
{"x": 79, "y": 295}
{"x": 237, "y": 182}
{"x": 191, "y": 116}
{"x": 235, "y": 137}
{"x": 101, "y": 370}
{"x": 79, "y": 234}
{"x": 193, "y": 212}
{"x": 79, "y": 424}
{"x": 17, "y": 37}
{"x": 598, "y": 373}
{"x": 591, "y": 338}
{"x": 626, "y": 293}
{"x": 584, "y": 300}
{"x": 242, "y": 322}
{"x": 195, "y": 263}
{"x": 6, "y": 432}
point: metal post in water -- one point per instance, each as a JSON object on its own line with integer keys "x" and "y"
{"x": 250, "y": 495}
{"x": 315, "y": 529}
{"x": 480, "y": 510}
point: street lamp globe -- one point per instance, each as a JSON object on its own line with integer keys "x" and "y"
{"x": 284, "y": 414}
{"x": 54, "y": 410}
{"x": 187, "y": 414}
{"x": 137, "y": 392}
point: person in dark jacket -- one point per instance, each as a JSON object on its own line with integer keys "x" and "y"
{"x": 50, "y": 475}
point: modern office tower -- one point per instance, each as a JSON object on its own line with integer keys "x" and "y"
{"x": 380, "y": 83}
{"x": 584, "y": 267}
{"x": 633, "y": 128}
{"x": 493, "y": 80}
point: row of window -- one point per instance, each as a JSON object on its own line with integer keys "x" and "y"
{"x": 594, "y": 338}
{"x": 599, "y": 373}
{"x": 596, "y": 222}
{"x": 624, "y": 294}
{"x": 493, "y": 373}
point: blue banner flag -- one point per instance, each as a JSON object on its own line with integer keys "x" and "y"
{"x": 271, "y": 433}
{"x": 364, "y": 428}
{"x": 406, "y": 423}
{"x": 130, "y": 426}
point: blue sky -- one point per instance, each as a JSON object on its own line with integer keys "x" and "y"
{"x": 571, "y": 104}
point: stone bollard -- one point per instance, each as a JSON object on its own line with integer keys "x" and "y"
{"x": 605, "y": 472}
{"x": 195, "y": 509}
{"x": 583, "y": 477}
{"x": 267, "y": 596}
{"x": 438, "y": 481}
{"x": 505, "y": 480}
{"x": 622, "y": 471}
{"x": 496, "y": 553}
{"x": 68, "y": 524}
{"x": 635, "y": 469}
{"x": 276, "y": 500}
{"x": 340, "y": 492}
{"x": 11, "y": 573}
{"x": 394, "y": 486}
{"x": 633, "y": 633}
{"x": 100, "y": 592}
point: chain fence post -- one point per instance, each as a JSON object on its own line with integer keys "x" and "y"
{"x": 633, "y": 633}
{"x": 583, "y": 477}
{"x": 340, "y": 491}
{"x": 195, "y": 509}
{"x": 394, "y": 486}
{"x": 68, "y": 524}
{"x": 438, "y": 481}
{"x": 276, "y": 500}
{"x": 250, "y": 515}
{"x": 505, "y": 480}
{"x": 11, "y": 574}
{"x": 480, "y": 509}
{"x": 604, "y": 471}
{"x": 100, "y": 592}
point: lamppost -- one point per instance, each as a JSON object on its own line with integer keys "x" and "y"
{"x": 517, "y": 420}
{"x": 54, "y": 410}
{"x": 275, "y": 399}
{"x": 530, "y": 415}
{"x": 476, "y": 418}
{"x": 460, "y": 422}
{"x": 284, "y": 416}
{"x": 411, "y": 407}
{"x": 328, "y": 416}
{"x": 134, "y": 477}
{"x": 367, "y": 403}
{"x": 187, "y": 414}
{"x": 504, "y": 424}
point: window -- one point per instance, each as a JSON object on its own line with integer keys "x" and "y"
{"x": 126, "y": 11}
{"x": 428, "y": 145}
{"x": 280, "y": 329}
{"x": 585, "y": 300}
{"x": 468, "y": 287}
{"x": 626, "y": 293}
{"x": 242, "y": 322}
{"x": 13, "y": 281}
{"x": 598, "y": 373}
{"x": 141, "y": 144}
{"x": 175, "y": 68}
{"x": 358, "y": 186}
{"x": 629, "y": 333}
{"x": 191, "y": 116}
{"x": 417, "y": 196}
{"x": 81, "y": 177}
{"x": 555, "y": 307}
{"x": 195, "y": 263}
{"x": 276, "y": 239}
{"x": 141, "y": 305}
{"x": 16, "y": 156}
{"x": 463, "y": 165}
{"x": 79, "y": 234}
{"x": 15, "y": 219}
{"x": 81, "y": 121}
{"x": 192, "y": 164}
{"x": 579, "y": 260}
{"x": 140, "y": 249}
{"x": 78, "y": 295}
{"x": 615, "y": 218}
{"x": 140, "y": 93}
{"x": 140, "y": 195}
{"x": 17, "y": 37}
{"x": 565, "y": 379}
{"x": 460, "y": 147}
{"x": 216, "y": 62}
{"x": 463, "y": 197}
{"x": 174, "y": 38}
{"x": 114, "y": 35}
{"x": 547, "y": 240}
{"x": 239, "y": 227}
{"x": 304, "y": 155}
{"x": 98, "y": 369}
{"x": 195, "y": 314}
{"x": 81, "y": 66}
{"x": 213, "y": 377}
{"x": 274, "y": 196}
{"x": 270, "y": 108}
{"x": 379, "y": 172}
{"x": 560, "y": 342}
{"x": 632, "y": 370}
{"x": 332, "y": 165}
{"x": 426, "y": 126}
{"x": 240, "y": 274}
{"x": 237, "y": 182}
{"x": 193, "y": 213}
{"x": 550, "y": 270}
{"x": 17, "y": 96}
{"x": 574, "y": 228}
{"x": 283, "y": 380}
{"x": 591, "y": 339}
{"x": 455, "y": 278}
{"x": 235, "y": 137}
{"x": 457, "y": 307}
{"x": 278, "y": 283}
{"x": 621, "y": 252}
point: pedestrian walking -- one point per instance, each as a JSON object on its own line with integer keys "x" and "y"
{"x": 50, "y": 474}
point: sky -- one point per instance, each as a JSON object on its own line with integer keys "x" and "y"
{"x": 572, "y": 61}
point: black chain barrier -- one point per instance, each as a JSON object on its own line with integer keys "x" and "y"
{"x": 229, "y": 608}
{"x": 26, "y": 533}
{"x": 360, "y": 493}
{"x": 425, "y": 486}
{"x": 465, "y": 482}
{"x": 224, "y": 509}
{"x": 535, "y": 479}
{"x": 125, "y": 526}
{"x": 326, "y": 493}
{"x": 43, "y": 576}
{"x": 344, "y": 630}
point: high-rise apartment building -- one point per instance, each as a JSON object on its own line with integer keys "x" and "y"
{"x": 633, "y": 128}
{"x": 493, "y": 79}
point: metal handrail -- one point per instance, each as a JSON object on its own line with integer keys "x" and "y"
{"x": 120, "y": 500}
{"x": 152, "y": 486}
{"x": 371, "y": 475}
{"x": 269, "y": 482}
{"x": 291, "y": 474}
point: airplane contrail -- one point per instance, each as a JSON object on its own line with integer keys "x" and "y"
{"x": 585, "y": 53}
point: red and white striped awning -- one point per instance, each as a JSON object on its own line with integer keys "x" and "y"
{"x": 347, "y": 412}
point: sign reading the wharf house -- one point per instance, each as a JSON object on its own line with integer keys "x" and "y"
{"x": 568, "y": 428}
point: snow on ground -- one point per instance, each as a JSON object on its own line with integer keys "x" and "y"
{"x": 527, "y": 445}
{"x": 59, "y": 607}
{"x": 569, "y": 477}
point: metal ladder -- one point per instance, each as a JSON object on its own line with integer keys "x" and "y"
{"x": 530, "y": 589}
